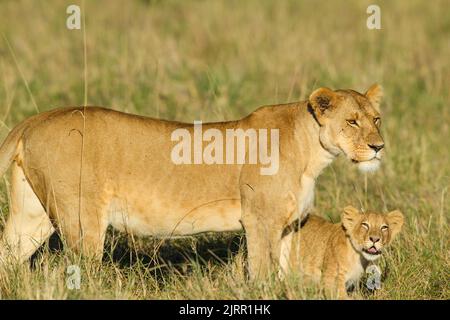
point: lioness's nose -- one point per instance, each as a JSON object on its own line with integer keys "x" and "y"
{"x": 374, "y": 239}
{"x": 376, "y": 147}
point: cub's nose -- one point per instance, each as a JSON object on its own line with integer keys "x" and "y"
{"x": 374, "y": 239}
{"x": 376, "y": 147}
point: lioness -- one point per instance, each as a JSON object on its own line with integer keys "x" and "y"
{"x": 81, "y": 169}
{"x": 337, "y": 254}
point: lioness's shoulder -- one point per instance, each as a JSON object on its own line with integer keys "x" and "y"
{"x": 281, "y": 115}
{"x": 278, "y": 109}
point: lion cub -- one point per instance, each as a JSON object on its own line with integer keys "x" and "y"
{"x": 337, "y": 254}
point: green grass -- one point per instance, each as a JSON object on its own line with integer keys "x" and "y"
{"x": 219, "y": 60}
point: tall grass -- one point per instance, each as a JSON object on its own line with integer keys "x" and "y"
{"x": 219, "y": 60}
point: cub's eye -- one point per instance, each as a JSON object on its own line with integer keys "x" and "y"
{"x": 384, "y": 228}
{"x": 377, "y": 121}
{"x": 352, "y": 123}
{"x": 365, "y": 225}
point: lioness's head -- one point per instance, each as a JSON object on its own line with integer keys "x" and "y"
{"x": 370, "y": 232}
{"x": 350, "y": 124}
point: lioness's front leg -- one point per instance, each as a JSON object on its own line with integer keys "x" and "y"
{"x": 257, "y": 253}
{"x": 264, "y": 217}
{"x": 263, "y": 246}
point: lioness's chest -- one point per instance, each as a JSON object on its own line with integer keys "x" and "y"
{"x": 305, "y": 195}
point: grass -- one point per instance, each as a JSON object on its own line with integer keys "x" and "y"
{"x": 219, "y": 60}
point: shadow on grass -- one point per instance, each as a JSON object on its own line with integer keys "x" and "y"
{"x": 160, "y": 256}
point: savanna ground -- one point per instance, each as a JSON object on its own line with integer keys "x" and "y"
{"x": 219, "y": 60}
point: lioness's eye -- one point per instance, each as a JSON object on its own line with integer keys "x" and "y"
{"x": 384, "y": 228}
{"x": 377, "y": 121}
{"x": 365, "y": 225}
{"x": 353, "y": 123}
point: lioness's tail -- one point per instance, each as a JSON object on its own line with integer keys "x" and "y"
{"x": 8, "y": 150}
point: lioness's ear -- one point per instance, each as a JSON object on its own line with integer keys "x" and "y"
{"x": 395, "y": 221}
{"x": 321, "y": 100}
{"x": 375, "y": 94}
{"x": 349, "y": 217}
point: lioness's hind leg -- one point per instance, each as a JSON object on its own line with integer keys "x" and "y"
{"x": 83, "y": 232}
{"x": 28, "y": 225}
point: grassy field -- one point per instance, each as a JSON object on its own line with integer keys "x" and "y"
{"x": 219, "y": 60}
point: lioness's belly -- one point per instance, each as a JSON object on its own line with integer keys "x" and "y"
{"x": 216, "y": 216}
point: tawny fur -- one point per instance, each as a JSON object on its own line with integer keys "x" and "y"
{"x": 78, "y": 170}
{"x": 336, "y": 254}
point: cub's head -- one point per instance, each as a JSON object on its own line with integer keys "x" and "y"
{"x": 350, "y": 124}
{"x": 371, "y": 232}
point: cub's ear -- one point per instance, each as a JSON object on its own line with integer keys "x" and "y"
{"x": 375, "y": 94}
{"x": 395, "y": 221}
{"x": 321, "y": 100}
{"x": 350, "y": 217}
